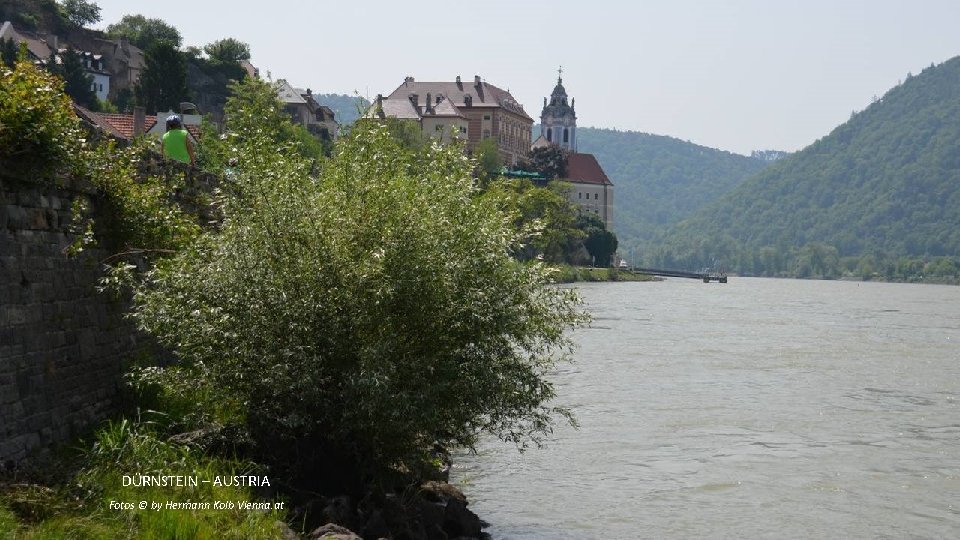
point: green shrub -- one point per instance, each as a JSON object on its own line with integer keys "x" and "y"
{"x": 363, "y": 316}
{"x": 39, "y": 134}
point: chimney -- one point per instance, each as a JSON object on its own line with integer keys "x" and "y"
{"x": 476, "y": 80}
{"x": 439, "y": 98}
{"x": 415, "y": 99}
{"x": 468, "y": 101}
{"x": 139, "y": 119}
{"x": 459, "y": 83}
{"x": 408, "y": 79}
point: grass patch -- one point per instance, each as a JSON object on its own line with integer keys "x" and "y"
{"x": 573, "y": 274}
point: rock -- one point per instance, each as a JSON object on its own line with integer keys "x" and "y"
{"x": 461, "y": 521}
{"x": 331, "y": 531}
{"x": 286, "y": 533}
{"x": 441, "y": 492}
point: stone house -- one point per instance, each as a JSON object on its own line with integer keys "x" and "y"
{"x": 304, "y": 109}
{"x": 484, "y": 110}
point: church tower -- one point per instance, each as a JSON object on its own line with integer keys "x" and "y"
{"x": 558, "y": 121}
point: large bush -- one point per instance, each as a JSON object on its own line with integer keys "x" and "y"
{"x": 39, "y": 133}
{"x": 365, "y": 315}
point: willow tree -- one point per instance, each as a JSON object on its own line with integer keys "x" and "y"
{"x": 361, "y": 316}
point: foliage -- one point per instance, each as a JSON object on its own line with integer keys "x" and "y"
{"x": 145, "y": 32}
{"x": 77, "y": 82}
{"x": 600, "y": 243}
{"x": 77, "y": 503}
{"x": 139, "y": 215}
{"x": 227, "y": 51}
{"x": 39, "y": 133}
{"x": 489, "y": 161}
{"x": 80, "y": 12}
{"x": 365, "y": 314}
{"x": 550, "y": 161}
{"x": 881, "y": 187}
{"x": 543, "y": 217}
{"x": 35, "y": 15}
{"x": 163, "y": 83}
{"x": 8, "y": 52}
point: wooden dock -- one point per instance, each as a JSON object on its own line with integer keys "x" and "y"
{"x": 707, "y": 277}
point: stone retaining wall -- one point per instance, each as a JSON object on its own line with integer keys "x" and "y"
{"x": 62, "y": 344}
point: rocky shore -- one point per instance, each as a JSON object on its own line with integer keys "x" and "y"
{"x": 435, "y": 510}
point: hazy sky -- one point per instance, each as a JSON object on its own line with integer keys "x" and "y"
{"x": 738, "y": 75}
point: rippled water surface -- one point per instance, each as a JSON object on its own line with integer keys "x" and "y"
{"x": 756, "y": 409}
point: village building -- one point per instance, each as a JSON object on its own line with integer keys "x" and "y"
{"x": 473, "y": 112}
{"x": 113, "y": 64}
{"x": 591, "y": 189}
{"x": 304, "y": 110}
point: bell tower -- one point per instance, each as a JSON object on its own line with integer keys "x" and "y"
{"x": 558, "y": 121}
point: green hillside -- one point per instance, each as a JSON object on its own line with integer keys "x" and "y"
{"x": 346, "y": 109}
{"x": 883, "y": 187}
{"x": 660, "y": 180}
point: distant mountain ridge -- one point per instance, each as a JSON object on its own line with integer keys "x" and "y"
{"x": 886, "y": 184}
{"x": 658, "y": 180}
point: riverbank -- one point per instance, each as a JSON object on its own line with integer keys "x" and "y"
{"x": 575, "y": 274}
{"x": 130, "y": 482}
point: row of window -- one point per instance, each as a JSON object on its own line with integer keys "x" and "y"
{"x": 580, "y": 195}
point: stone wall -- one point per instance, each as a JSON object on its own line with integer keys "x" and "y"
{"x": 62, "y": 344}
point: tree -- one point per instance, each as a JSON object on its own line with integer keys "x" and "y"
{"x": 543, "y": 217}
{"x": 80, "y": 12}
{"x": 550, "y": 161}
{"x": 8, "y": 52}
{"x": 163, "y": 83}
{"x": 144, "y": 32}
{"x": 363, "y": 316}
{"x": 489, "y": 162}
{"x": 600, "y": 243}
{"x": 78, "y": 84}
{"x": 41, "y": 134}
{"x": 227, "y": 51}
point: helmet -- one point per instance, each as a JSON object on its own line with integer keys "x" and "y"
{"x": 173, "y": 121}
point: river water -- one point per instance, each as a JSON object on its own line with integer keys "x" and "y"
{"x": 760, "y": 408}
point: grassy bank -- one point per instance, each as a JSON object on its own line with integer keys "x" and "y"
{"x": 81, "y": 493}
{"x": 574, "y": 274}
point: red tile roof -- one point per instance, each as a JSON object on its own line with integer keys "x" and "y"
{"x": 584, "y": 169}
{"x": 120, "y": 125}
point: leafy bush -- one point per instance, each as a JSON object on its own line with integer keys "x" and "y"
{"x": 365, "y": 315}
{"x": 39, "y": 134}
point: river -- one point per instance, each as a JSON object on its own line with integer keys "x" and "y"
{"x": 760, "y": 408}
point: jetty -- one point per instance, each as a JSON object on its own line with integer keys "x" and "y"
{"x": 707, "y": 277}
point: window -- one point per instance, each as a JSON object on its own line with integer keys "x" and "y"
{"x": 579, "y": 195}
{"x": 486, "y": 117}
{"x": 439, "y": 127}
{"x": 549, "y": 135}
{"x": 486, "y": 134}
{"x": 463, "y": 129}
{"x": 566, "y": 135}
{"x": 596, "y": 196}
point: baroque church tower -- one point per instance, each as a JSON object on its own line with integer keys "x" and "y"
{"x": 558, "y": 121}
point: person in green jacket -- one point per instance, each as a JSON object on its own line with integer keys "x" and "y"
{"x": 176, "y": 142}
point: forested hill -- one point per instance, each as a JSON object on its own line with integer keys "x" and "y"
{"x": 660, "y": 180}
{"x": 884, "y": 184}
{"x": 346, "y": 109}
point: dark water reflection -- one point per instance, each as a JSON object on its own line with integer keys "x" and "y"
{"x": 758, "y": 409}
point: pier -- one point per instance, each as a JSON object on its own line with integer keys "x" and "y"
{"x": 707, "y": 277}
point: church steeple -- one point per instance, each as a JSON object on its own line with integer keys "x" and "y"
{"x": 558, "y": 121}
